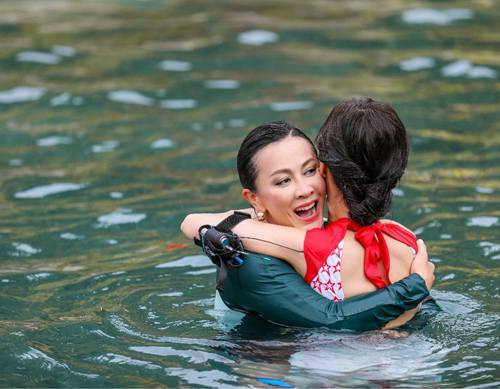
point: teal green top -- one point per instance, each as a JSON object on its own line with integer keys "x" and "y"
{"x": 270, "y": 288}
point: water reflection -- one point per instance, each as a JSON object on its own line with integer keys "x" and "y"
{"x": 119, "y": 118}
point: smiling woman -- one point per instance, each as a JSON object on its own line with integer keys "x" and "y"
{"x": 284, "y": 191}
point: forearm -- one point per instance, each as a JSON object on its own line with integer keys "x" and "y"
{"x": 268, "y": 239}
{"x": 272, "y": 289}
{"x": 192, "y": 222}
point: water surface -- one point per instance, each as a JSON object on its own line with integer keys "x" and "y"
{"x": 117, "y": 118}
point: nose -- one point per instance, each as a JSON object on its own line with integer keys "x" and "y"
{"x": 303, "y": 189}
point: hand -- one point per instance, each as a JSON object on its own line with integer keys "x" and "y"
{"x": 422, "y": 266}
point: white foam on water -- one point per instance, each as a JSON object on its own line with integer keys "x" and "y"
{"x": 162, "y": 144}
{"x": 62, "y": 99}
{"x": 102, "y": 333}
{"x": 111, "y": 241}
{"x": 23, "y": 250}
{"x": 398, "y": 192}
{"x": 105, "y": 147}
{"x": 15, "y": 162}
{"x": 71, "y": 236}
{"x": 447, "y": 277}
{"x": 178, "y": 104}
{"x": 38, "y": 276}
{"x": 434, "y": 16}
{"x": 118, "y": 217}
{"x": 417, "y": 63}
{"x": 175, "y": 66}
{"x": 33, "y": 353}
{"x": 200, "y": 272}
{"x": 464, "y": 68}
{"x": 38, "y": 57}
{"x": 490, "y": 248}
{"x": 171, "y": 294}
{"x": 257, "y": 37}
{"x": 484, "y": 190}
{"x": 219, "y": 304}
{"x": 482, "y": 72}
{"x": 222, "y": 84}
{"x": 204, "y": 378}
{"x": 124, "y": 360}
{"x": 130, "y": 97}
{"x": 281, "y": 106}
{"x": 192, "y": 260}
{"x": 54, "y": 141}
{"x": 466, "y": 208}
{"x": 64, "y": 51}
{"x": 482, "y": 221}
{"x": 21, "y": 94}
{"x": 194, "y": 356}
{"x": 39, "y": 192}
{"x": 456, "y": 69}
{"x": 373, "y": 356}
{"x": 116, "y": 195}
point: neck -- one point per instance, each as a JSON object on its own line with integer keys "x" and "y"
{"x": 337, "y": 208}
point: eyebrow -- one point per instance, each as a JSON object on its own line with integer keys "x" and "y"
{"x": 288, "y": 170}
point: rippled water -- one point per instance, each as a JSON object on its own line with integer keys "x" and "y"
{"x": 119, "y": 117}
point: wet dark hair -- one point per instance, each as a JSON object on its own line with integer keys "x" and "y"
{"x": 364, "y": 144}
{"x": 256, "y": 140}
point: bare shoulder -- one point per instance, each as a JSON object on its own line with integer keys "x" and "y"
{"x": 388, "y": 221}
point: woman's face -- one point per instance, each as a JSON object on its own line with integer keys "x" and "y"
{"x": 289, "y": 187}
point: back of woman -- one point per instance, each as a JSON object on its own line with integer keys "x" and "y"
{"x": 364, "y": 148}
{"x": 353, "y": 276}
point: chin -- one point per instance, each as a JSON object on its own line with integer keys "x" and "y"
{"x": 301, "y": 224}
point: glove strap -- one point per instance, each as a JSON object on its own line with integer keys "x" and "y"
{"x": 232, "y": 220}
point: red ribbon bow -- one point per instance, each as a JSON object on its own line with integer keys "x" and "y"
{"x": 376, "y": 250}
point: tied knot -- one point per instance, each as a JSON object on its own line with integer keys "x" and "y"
{"x": 373, "y": 241}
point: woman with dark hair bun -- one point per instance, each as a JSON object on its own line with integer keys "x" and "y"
{"x": 363, "y": 149}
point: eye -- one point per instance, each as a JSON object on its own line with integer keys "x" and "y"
{"x": 283, "y": 181}
{"x": 311, "y": 171}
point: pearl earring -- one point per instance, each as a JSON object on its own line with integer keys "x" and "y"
{"x": 260, "y": 216}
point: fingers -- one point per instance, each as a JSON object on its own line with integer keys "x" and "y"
{"x": 422, "y": 251}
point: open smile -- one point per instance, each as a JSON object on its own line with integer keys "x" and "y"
{"x": 307, "y": 212}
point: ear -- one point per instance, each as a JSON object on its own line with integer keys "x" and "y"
{"x": 323, "y": 169}
{"x": 253, "y": 199}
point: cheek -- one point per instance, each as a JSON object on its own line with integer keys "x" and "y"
{"x": 319, "y": 186}
{"x": 277, "y": 201}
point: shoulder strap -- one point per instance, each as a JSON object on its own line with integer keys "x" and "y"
{"x": 401, "y": 234}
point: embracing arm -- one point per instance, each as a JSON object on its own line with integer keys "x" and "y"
{"x": 286, "y": 243}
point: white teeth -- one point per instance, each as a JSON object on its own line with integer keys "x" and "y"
{"x": 306, "y": 208}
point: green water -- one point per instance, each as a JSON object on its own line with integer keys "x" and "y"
{"x": 129, "y": 116}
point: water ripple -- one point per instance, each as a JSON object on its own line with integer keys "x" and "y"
{"x": 21, "y": 94}
{"x": 433, "y": 16}
{"x": 39, "y": 192}
{"x": 257, "y": 37}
